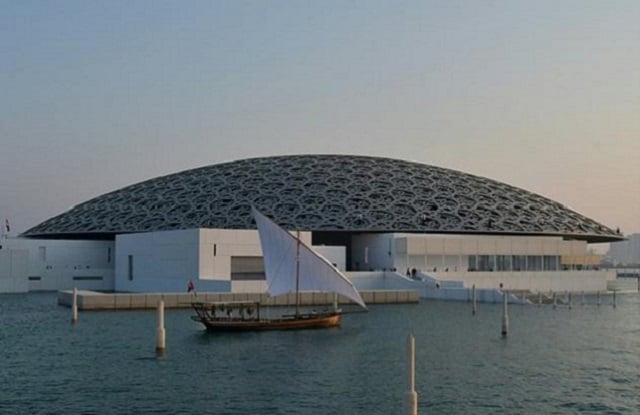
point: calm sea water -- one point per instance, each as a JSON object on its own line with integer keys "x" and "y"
{"x": 580, "y": 361}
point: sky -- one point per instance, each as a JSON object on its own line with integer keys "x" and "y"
{"x": 542, "y": 95}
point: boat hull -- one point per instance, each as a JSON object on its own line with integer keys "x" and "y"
{"x": 293, "y": 323}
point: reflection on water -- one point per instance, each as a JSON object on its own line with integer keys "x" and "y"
{"x": 583, "y": 360}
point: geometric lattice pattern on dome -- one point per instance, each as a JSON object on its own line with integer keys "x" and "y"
{"x": 324, "y": 192}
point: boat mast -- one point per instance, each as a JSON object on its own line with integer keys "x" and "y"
{"x": 297, "y": 273}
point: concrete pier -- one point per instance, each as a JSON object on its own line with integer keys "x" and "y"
{"x": 93, "y": 300}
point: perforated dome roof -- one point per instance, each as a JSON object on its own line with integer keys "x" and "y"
{"x": 323, "y": 193}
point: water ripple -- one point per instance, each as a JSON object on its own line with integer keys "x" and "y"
{"x": 554, "y": 362}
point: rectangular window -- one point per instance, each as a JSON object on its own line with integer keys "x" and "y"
{"x": 492, "y": 262}
{"x": 485, "y": 262}
{"x": 109, "y": 255}
{"x": 550, "y": 263}
{"x": 534, "y": 263}
{"x": 518, "y": 262}
{"x": 472, "y": 263}
{"x": 503, "y": 262}
{"x": 34, "y": 278}
{"x": 130, "y": 267}
{"x": 87, "y": 278}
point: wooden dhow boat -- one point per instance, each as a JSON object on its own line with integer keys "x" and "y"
{"x": 290, "y": 267}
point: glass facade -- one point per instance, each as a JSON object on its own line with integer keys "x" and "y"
{"x": 514, "y": 263}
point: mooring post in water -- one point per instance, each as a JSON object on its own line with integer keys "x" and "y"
{"x": 473, "y": 299}
{"x": 505, "y": 315}
{"x": 614, "y": 299}
{"x": 74, "y": 306}
{"x": 410, "y": 396}
{"x": 555, "y": 301}
{"x": 160, "y": 333}
{"x": 570, "y": 301}
{"x": 539, "y": 298}
{"x": 598, "y": 298}
{"x": 582, "y": 300}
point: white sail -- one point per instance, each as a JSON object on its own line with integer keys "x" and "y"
{"x": 282, "y": 251}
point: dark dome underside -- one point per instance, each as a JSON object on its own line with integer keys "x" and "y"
{"x": 323, "y": 193}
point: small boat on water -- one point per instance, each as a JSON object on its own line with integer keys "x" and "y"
{"x": 290, "y": 267}
{"x": 245, "y": 316}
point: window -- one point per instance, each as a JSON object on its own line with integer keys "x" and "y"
{"x": 534, "y": 263}
{"x": 486, "y": 262}
{"x": 551, "y": 262}
{"x": 472, "y": 263}
{"x": 519, "y": 262}
{"x": 503, "y": 263}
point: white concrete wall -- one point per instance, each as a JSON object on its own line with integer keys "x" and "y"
{"x": 574, "y": 281}
{"x": 249, "y": 286}
{"x": 335, "y": 254}
{"x": 487, "y": 286}
{"x": 217, "y": 246}
{"x": 161, "y": 261}
{"x": 166, "y": 261}
{"x": 62, "y": 264}
{"x": 13, "y": 270}
{"x": 381, "y": 280}
{"x": 372, "y": 252}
